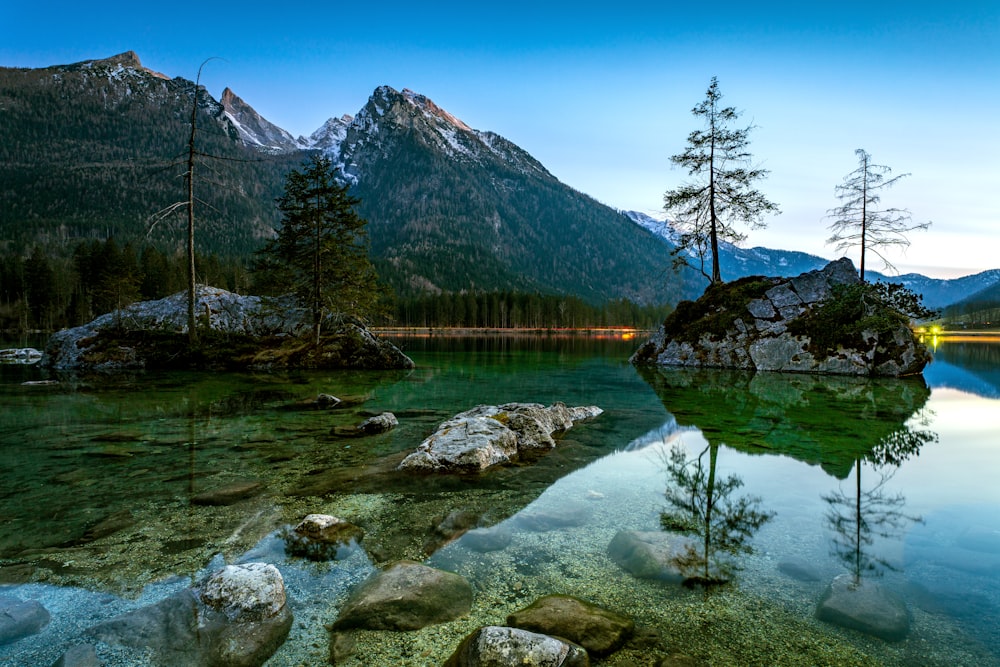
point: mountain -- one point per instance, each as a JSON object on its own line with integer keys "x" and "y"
{"x": 255, "y": 130}
{"x": 453, "y": 208}
{"x": 940, "y": 293}
{"x": 737, "y": 262}
{"x": 97, "y": 148}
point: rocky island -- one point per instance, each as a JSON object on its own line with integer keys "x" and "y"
{"x": 824, "y": 321}
{"x": 235, "y": 332}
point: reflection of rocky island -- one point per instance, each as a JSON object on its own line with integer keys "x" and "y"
{"x": 825, "y": 321}
{"x": 825, "y": 420}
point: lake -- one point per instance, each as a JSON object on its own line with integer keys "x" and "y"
{"x": 890, "y": 482}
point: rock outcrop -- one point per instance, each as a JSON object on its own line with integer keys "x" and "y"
{"x": 488, "y": 435}
{"x": 763, "y": 324}
{"x": 237, "y": 332}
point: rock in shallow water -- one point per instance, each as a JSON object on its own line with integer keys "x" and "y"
{"x": 864, "y": 606}
{"x": 494, "y": 646}
{"x": 20, "y": 618}
{"x": 488, "y": 435}
{"x": 406, "y": 595}
{"x": 598, "y": 630}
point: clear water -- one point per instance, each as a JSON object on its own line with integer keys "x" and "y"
{"x": 99, "y": 476}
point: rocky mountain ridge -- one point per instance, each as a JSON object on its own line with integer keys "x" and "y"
{"x": 451, "y": 208}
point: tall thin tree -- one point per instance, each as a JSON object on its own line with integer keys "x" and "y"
{"x": 721, "y": 191}
{"x": 860, "y": 221}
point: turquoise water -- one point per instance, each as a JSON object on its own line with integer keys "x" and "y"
{"x": 100, "y": 475}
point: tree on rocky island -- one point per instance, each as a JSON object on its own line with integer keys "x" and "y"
{"x": 859, "y": 221}
{"x": 320, "y": 254}
{"x": 721, "y": 191}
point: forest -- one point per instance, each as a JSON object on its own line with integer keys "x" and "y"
{"x": 45, "y": 292}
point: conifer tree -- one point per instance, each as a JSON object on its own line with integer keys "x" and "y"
{"x": 860, "y": 221}
{"x": 721, "y": 191}
{"x": 321, "y": 252}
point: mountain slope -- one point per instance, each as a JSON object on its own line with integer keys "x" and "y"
{"x": 452, "y": 208}
{"x": 736, "y": 262}
{"x": 739, "y": 262}
{"x": 96, "y": 149}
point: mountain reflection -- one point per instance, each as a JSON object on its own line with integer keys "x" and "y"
{"x": 830, "y": 421}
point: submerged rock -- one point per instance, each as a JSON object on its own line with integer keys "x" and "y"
{"x": 488, "y": 435}
{"x": 493, "y": 646}
{"x": 406, "y": 596}
{"x": 323, "y": 537}
{"x": 649, "y": 554}
{"x": 237, "y": 331}
{"x": 382, "y": 423}
{"x": 20, "y": 618}
{"x": 596, "y": 629}
{"x": 228, "y": 494}
{"x": 864, "y": 606}
{"x": 758, "y": 323}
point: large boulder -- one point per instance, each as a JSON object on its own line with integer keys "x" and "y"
{"x": 494, "y": 646}
{"x": 596, "y": 629}
{"x": 406, "y": 595}
{"x": 763, "y": 324}
{"x": 236, "y": 617}
{"x": 488, "y": 435}
{"x": 865, "y": 606}
{"x": 246, "y": 332}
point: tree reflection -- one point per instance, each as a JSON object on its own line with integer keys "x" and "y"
{"x": 703, "y": 506}
{"x": 859, "y": 519}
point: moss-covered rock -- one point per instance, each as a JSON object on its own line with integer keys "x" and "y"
{"x": 825, "y": 321}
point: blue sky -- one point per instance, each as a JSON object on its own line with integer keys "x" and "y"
{"x": 601, "y": 93}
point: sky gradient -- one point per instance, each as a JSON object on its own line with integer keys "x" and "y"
{"x": 602, "y": 93}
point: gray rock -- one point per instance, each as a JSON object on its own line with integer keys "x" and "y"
{"x": 649, "y": 554}
{"x": 353, "y": 346}
{"x": 494, "y": 646}
{"x": 247, "y": 592}
{"x": 382, "y": 423}
{"x": 488, "y": 435}
{"x": 596, "y": 629}
{"x": 487, "y": 539}
{"x": 327, "y": 401}
{"x": 236, "y": 618}
{"x": 406, "y": 596}
{"x": 864, "y": 606}
{"x": 20, "y": 618}
{"x": 759, "y": 339}
{"x": 228, "y": 494}
{"x": 81, "y": 655}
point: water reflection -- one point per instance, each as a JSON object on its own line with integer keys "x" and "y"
{"x": 703, "y": 505}
{"x": 829, "y": 421}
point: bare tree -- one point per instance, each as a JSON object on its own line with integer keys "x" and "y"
{"x": 860, "y": 221}
{"x": 721, "y": 191}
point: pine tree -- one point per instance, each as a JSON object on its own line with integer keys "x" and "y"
{"x": 721, "y": 193}
{"x": 859, "y": 221}
{"x": 321, "y": 252}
